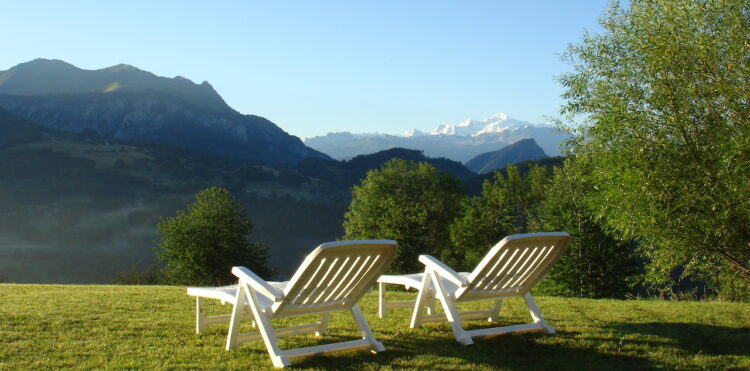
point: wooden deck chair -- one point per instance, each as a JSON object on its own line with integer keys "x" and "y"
{"x": 511, "y": 268}
{"x": 332, "y": 277}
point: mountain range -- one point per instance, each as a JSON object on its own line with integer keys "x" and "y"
{"x": 123, "y": 102}
{"x": 459, "y": 142}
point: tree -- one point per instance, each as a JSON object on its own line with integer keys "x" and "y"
{"x": 412, "y": 203}
{"x": 662, "y": 97}
{"x": 200, "y": 246}
{"x": 596, "y": 264}
{"x": 503, "y": 208}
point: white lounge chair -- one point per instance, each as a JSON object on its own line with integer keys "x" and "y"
{"x": 332, "y": 277}
{"x": 511, "y": 268}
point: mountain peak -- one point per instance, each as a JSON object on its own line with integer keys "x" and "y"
{"x": 411, "y": 133}
{"x": 51, "y": 76}
{"x": 522, "y": 150}
{"x": 42, "y": 63}
{"x": 497, "y": 123}
{"x": 500, "y": 116}
{"x": 120, "y": 67}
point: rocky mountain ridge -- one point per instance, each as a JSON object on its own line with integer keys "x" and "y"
{"x": 123, "y": 102}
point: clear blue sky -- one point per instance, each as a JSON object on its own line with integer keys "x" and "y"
{"x": 314, "y": 67}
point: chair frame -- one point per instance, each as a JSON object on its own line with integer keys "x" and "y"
{"x": 333, "y": 277}
{"x": 514, "y": 276}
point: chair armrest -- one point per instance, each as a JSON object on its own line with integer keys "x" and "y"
{"x": 257, "y": 283}
{"x": 443, "y": 270}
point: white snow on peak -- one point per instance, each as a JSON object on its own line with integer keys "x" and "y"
{"x": 500, "y": 116}
{"x": 495, "y": 124}
{"x": 411, "y": 133}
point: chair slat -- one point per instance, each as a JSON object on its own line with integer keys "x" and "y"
{"x": 328, "y": 280}
{"x": 485, "y": 276}
{"x": 369, "y": 274}
{"x": 354, "y": 271}
{"x": 517, "y": 259}
{"x": 531, "y": 264}
{"x": 544, "y": 266}
{"x": 310, "y": 281}
{"x": 497, "y": 273}
{"x": 344, "y": 279}
{"x": 522, "y": 269}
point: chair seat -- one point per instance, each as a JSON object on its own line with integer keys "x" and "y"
{"x": 414, "y": 281}
{"x": 227, "y": 294}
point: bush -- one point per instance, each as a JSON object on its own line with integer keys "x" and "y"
{"x": 134, "y": 276}
{"x": 200, "y": 246}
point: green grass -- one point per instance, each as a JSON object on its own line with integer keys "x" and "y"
{"x": 152, "y": 327}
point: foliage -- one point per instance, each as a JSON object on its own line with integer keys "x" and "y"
{"x": 152, "y": 327}
{"x": 595, "y": 265}
{"x": 134, "y": 276}
{"x": 200, "y": 246}
{"x": 502, "y": 209}
{"x": 662, "y": 95}
{"x": 412, "y": 203}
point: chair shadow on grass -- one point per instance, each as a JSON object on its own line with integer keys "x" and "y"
{"x": 695, "y": 337}
{"x": 436, "y": 349}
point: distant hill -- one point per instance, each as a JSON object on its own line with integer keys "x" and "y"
{"x": 375, "y": 160}
{"x": 340, "y": 176}
{"x": 76, "y": 207}
{"x": 523, "y": 150}
{"x": 123, "y": 102}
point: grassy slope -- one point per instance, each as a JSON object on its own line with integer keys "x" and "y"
{"x": 55, "y": 326}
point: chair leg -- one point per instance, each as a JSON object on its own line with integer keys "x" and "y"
{"x": 382, "y": 310}
{"x": 200, "y": 316}
{"x": 431, "y": 303}
{"x": 423, "y": 298}
{"x": 450, "y": 311}
{"x": 375, "y": 345}
{"x": 495, "y": 311}
{"x": 324, "y": 317}
{"x": 235, "y": 319}
{"x": 536, "y": 314}
{"x": 263, "y": 321}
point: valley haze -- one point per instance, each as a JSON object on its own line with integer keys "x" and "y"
{"x": 91, "y": 160}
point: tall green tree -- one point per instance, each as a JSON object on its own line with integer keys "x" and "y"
{"x": 596, "y": 264}
{"x": 200, "y": 246}
{"x": 663, "y": 98}
{"x": 504, "y": 207}
{"x": 412, "y": 203}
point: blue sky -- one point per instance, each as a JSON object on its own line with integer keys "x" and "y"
{"x": 314, "y": 67}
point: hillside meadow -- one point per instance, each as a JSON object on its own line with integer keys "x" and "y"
{"x": 152, "y": 327}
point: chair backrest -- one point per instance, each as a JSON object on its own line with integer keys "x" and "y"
{"x": 514, "y": 265}
{"x": 335, "y": 276}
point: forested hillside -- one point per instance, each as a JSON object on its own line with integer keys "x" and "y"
{"x": 79, "y": 208}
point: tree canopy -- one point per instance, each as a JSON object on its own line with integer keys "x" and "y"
{"x": 662, "y": 96}
{"x": 412, "y": 203}
{"x": 596, "y": 264}
{"x": 200, "y": 246}
{"x": 503, "y": 208}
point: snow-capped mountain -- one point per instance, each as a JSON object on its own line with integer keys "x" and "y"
{"x": 458, "y": 142}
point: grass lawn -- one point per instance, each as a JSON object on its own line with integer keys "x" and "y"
{"x": 152, "y": 327}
